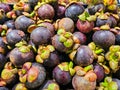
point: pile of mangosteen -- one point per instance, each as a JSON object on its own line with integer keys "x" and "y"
{"x": 59, "y": 45}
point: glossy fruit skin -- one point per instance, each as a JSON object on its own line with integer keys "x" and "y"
{"x": 18, "y": 58}
{"x": 4, "y": 88}
{"x": 46, "y": 11}
{"x": 73, "y": 10}
{"x": 61, "y": 77}
{"x": 50, "y": 27}
{"x": 63, "y": 23}
{"x": 40, "y": 35}
{"x": 53, "y": 60}
{"x": 80, "y": 83}
{"x": 92, "y": 10}
{"x": 99, "y": 71}
{"x": 85, "y": 26}
{"x": 82, "y": 37}
{"x": 5, "y": 7}
{"x": 61, "y": 11}
{"x": 84, "y": 56}
{"x": 22, "y": 23}
{"x": 41, "y": 76}
{"x": 3, "y": 60}
{"x": 117, "y": 81}
{"x": 100, "y": 22}
{"x": 10, "y": 24}
{"x": 117, "y": 39}
{"x": 14, "y": 36}
{"x": 104, "y": 38}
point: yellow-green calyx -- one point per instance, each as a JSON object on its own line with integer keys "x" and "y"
{"x": 65, "y": 66}
{"x": 108, "y": 84}
{"x": 97, "y": 51}
{"x": 85, "y": 16}
{"x": 21, "y": 86}
{"x": 66, "y": 38}
{"x": 53, "y": 86}
{"x": 105, "y": 27}
{"x": 113, "y": 56}
{"x": 28, "y": 73}
{"x": 44, "y": 53}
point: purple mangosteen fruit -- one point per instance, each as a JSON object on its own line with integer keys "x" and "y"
{"x": 32, "y": 75}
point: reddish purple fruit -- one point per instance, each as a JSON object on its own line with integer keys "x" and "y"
{"x": 40, "y": 35}
{"x": 46, "y": 11}
{"x": 5, "y": 7}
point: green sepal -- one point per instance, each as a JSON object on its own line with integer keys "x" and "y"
{"x": 39, "y": 59}
{"x": 21, "y": 43}
{"x": 60, "y": 31}
{"x": 45, "y": 54}
{"x": 51, "y": 48}
{"x": 72, "y": 71}
{"x": 68, "y": 35}
{"x": 68, "y": 43}
{"x": 103, "y": 17}
{"x": 64, "y": 66}
{"x": 99, "y": 51}
{"x": 114, "y": 65}
{"x": 87, "y": 68}
{"x": 91, "y": 18}
{"x": 24, "y": 49}
{"x": 92, "y": 45}
{"x": 105, "y": 27}
{"x": 114, "y": 48}
{"x": 52, "y": 86}
{"x": 112, "y": 86}
{"x": 62, "y": 38}
{"x": 83, "y": 16}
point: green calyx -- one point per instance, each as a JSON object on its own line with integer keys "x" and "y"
{"x": 105, "y": 27}
{"x": 66, "y": 38}
{"x": 53, "y": 86}
{"x": 85, "y": 16}
{"x": 108, "y": 84}
{"x": 65, "y": 66}
{"x": 20, "y": 86}
{"x": 44, "y": 53}
{"x": 88, "y": 68}
{"x": 8, "y": 74}
{"x": 21, "y": 43}
{"x": 24, "y": 49}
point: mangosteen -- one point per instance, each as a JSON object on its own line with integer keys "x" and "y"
{"x": 61, "y": 11}
{"x": 104, "y": 38}
{"x": 99, "y": 71}
{"x": 40, "y": 35}
{"x": 3, "y": 46}
{"x": 5, "y": 7}
{"x": 63, "y": 73}
{"x": 84, "y": 79}
{"x": 50, "y": 84}
{"x": 63, "y": 24}
{"x": 47, "y": 56}
{"x": 108, "y": 84}
{"x": 117, "y": 81}
{"x": 3, "y": 60}
{"x": 49, "y": 26}
{"x": 3, "y": 17}
{"x": 46, "y": 11}
{"x": 64, "y": 41}
{"x": 82, "y": 37}
{"x": 21, "y": 53}
{"x": 22, "y": 23}
{"x": 15, "y": 36}
{"x": 4, "y": 88}
{"x": 96, "y": 8}
{"x": 82, "y": 56}
{"x": 9, "y": 74}
{"x": 73, "y": 11}
{"x": 32, "y": 75}
{"x": 10, "y": 24}
{"x": 19, "y": 86}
